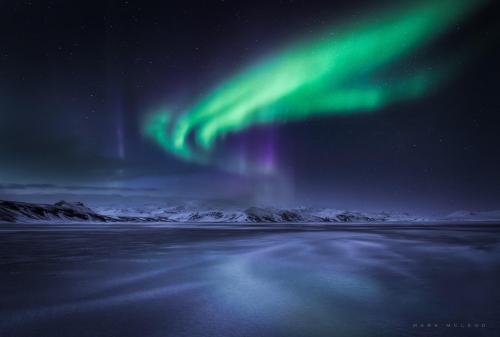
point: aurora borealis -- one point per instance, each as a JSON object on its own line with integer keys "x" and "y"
{"x": 355, "y": 104}
{"x": 236, "y": 168}
{"x": 343, "y": 70}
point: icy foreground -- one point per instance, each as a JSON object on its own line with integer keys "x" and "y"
{"x": 62, "y": 211}
{"x": 154, "y": 280}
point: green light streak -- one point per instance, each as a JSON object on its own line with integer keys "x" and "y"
{"x": 318, "y": 77}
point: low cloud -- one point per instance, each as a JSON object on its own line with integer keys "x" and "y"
{"x": 48, "y": 188}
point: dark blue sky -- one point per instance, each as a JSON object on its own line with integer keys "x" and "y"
{"x": 77, "y": 79}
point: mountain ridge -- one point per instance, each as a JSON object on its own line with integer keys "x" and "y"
{"x": 63, "y": 211}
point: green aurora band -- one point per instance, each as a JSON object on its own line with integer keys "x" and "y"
{"x": 332, "y": 74}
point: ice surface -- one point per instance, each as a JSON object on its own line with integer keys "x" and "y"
{"x": 243, "y": 280}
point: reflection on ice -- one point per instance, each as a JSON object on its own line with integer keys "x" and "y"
{"x": 223, "y": 282}
{"x": 53, "y": 311}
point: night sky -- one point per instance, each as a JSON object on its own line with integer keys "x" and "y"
{"x": 79, "y": 80}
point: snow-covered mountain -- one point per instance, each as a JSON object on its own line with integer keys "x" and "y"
{"x": 12, "y": 211}
{"x": 62, "y": 211}
{"x": 206, "y": 213}
{"x": 474, "y": 216}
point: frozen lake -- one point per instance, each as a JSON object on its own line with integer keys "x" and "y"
{"x": 209, "y": 280}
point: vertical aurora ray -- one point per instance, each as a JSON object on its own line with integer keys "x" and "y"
{"x": 335, "y": 73}
{"x": 120, "y": 140}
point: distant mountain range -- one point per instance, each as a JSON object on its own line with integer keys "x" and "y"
{"x": 62, "y": 211}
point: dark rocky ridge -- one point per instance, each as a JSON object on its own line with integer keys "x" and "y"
{"x": 62, "y": 211}
{"x": 15, "y": 211}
